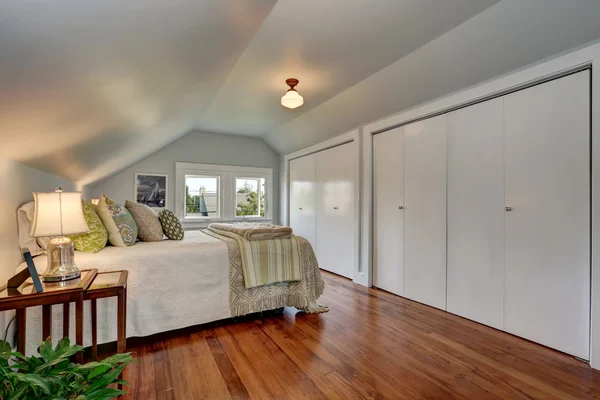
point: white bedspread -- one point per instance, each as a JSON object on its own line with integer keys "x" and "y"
{"x": 171, "y": 285}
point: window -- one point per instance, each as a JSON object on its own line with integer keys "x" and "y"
{"x": 206, "y": 193}
{"x": 250, "y": 197}
{"x": 201, "y": 196}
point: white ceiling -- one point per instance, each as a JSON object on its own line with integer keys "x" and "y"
{"x": 329, "y": 46}
{"x": 506, "y": 37}
{"x": 89, "y": 87}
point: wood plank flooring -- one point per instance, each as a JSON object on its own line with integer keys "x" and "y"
{"x": 371, "y": 345}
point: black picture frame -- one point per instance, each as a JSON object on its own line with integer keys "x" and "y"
{"x": 151, "y": 189}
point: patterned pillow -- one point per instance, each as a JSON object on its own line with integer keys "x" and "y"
{"x": 170, "y": 225}
{"x": 146, "y": 219}
{"x": 121, "y": 227}
{"x": 94, "y": 240}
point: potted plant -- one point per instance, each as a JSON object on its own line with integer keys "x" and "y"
{"x": 54, "y": 376}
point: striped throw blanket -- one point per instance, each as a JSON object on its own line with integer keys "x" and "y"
{"x": 255, "y": 231}
{"x": 268, "y": 261}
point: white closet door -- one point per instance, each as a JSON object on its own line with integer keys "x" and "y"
{"x": 335, "y": 209}
{"x": 425, "y": 211}
{"x": 547, "y": 148}
{"x": 388, "y": 203}
{"x": 476, "y": 213}
{"x": 303, "y": 198}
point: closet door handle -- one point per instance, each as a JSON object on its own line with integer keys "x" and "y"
{"x": 400, "y": 207}
{"x": 335, "y": 208}
{"x": 507, "y": 209}
{"x": 299, "y": 208}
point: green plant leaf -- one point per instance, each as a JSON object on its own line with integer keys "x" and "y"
{"x": 20, "y": 391}
{"x": 31, "y": 364}
{"x": 105, "y": 394}
{"x": 64, "y": 349}
{"x": 35, "y": 380}
{"x": 56, "y": 380}
{"x": 99, "y": 370}
{"x": 4, "y": 369}
{"x": 119, "y": 358}
{"x": 68, "y": 351}
{"x": 45, "y": 350}
{"x": 59, "y": 368}
{"x": 5, "y": 350}
{"x": 91, "y": 365}
{"x": 105, "y": 380}
{"x": 54, "y": 377}
{"x": 18, "y": 355}
{"x": 74, "y": 374}
{"x": 60, "y": 360}
{"x": 60, "y": 355}
{"x": 62, "y": 344}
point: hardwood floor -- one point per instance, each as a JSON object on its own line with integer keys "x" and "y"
{"x": 371, "y": 344}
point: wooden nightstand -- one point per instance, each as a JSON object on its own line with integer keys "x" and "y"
{"x": 25, "y": 296}
{"x": 109, "y": 284}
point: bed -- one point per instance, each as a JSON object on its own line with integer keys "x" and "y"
{"x": 176, "y": 284}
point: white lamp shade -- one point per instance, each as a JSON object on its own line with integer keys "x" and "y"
{"x": 292, "y": 99}
{"x": 58, "y": 214}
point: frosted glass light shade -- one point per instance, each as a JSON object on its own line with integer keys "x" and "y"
{"x": 292, "y": 99}
{"x": 58, "y": 214}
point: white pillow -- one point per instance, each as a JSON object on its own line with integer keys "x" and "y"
{"x": 24, "y": 218}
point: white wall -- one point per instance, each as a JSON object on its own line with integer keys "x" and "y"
{"x": 195, "y": 147}
{"x": 17, "y": 183}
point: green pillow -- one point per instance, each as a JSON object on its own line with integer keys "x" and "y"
{"x": 94, "y": 240}
{"x": 170, "y": 225}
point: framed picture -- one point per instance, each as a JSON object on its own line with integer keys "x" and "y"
{"x": 151, "y": 189}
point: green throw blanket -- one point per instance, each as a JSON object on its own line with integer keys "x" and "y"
{"x": 265, "y": 262}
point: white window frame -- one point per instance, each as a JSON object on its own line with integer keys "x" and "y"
{"x": 234, "y": 196}
{"x": 227, "y": 191}
{"x": 219, "y": 200}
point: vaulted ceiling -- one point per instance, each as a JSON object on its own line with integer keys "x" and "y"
{"x": 90, "y": 87}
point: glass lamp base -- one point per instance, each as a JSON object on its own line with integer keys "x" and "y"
{"x": 61, "y": 261}
{"x": 60, "y": 278}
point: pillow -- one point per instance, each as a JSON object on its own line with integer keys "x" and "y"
{"x": 94, "y": 240}
{"x": 146, "y": 219}
{"x": 121, "y": 227}
{"x": 170, "y": 225}
{"x": 24, "y": 218}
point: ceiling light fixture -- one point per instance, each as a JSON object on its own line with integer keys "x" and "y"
{"x": 292, "y": 99}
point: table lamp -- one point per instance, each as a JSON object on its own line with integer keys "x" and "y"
{"x": 58, "y": 214}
